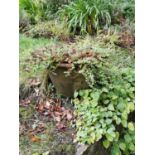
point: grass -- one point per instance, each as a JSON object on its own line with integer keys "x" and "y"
{"x": 27, "y": 46}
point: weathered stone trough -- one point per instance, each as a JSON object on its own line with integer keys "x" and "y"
{"x": 67, "y": 84}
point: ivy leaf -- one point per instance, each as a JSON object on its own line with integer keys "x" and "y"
{"x": 109, "y": 137}
{"x": 131, "y": 126}
{"x": 106, "y": 144}
{"x": 115, "y": 150}
{"x": 105, "y": 90}
{"x": 124, "y": 123}
{"x": 109, "y": 114}
{"x": 114, "y": 97}
{"x": 122, "y": 146}
{"x": 92, "y": 136}
{"x": 117, "y": 136}
{"x": 108, "y": 121}
{"x": 46, "y": 153}
{"x": 106, "y": 101}
{"x": 131, "y": 106}
{"x": 94, "y": 104}
{"x": 36, "y": 153}
{"x": 95, "y": 95}
{"x": 118, "y": 121}
{"x": 110, "y": 130}
{"x": 132, "y": 147}
{"x": 111, "y": 107}
{"x": 121, "y": 106}
{"x": 81, "y": 93}
{"x": 99, "y": 134}
{"x": 75, "y": 94}
{"x": 127, "y": 138}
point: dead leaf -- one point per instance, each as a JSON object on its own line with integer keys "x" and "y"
{"x": 60, "y": 126}
{"x": 57, "y": 119}
{"x": 47, "y": 105}
{"x": 57, "y": 108}
{"x": 35, "y": 139}
{"x": 34, "y": 82}
{"x": 41, "y": 107}
{"x": 57, "y": 113}
{"x": 69, "y": 116}
{"x": 25, "y": 102}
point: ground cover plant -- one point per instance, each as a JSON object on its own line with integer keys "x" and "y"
{"x": 93, "y": 41}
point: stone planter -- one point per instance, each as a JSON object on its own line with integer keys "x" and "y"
{"x": 66, "y": 85}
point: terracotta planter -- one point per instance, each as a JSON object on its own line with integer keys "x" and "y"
{"x": 66, "y": 85}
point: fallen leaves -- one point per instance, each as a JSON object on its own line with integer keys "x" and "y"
{"x": 60, "y": 126}
{"x": 25, "y": 102}
{"x": 126, "y": 40}
{"x": 36, "y": 129}
{"x": 69, "y": 116}
{"x": 46, "y": 109}
{"x": 52, "y": 108}
{"x": 34, "y": 82}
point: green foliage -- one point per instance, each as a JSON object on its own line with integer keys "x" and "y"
{"x": 87, "y": 16}
{"x": 82, "y": 16}
{"x": 104, "y": 112}
{"x": 34, "y": 9}
{"x": 40, "y": 10}
{"x": 52, "y": 6}
{"x": 129, "y": 10}
{"x": 90, "y": 15}
{"x": 43, "y": 29}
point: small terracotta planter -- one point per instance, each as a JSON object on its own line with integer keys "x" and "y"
{"x": 66, "y": 85}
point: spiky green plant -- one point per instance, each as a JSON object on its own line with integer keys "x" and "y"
{"x": 86, "y": 16}
{"x": 34, "y": 9}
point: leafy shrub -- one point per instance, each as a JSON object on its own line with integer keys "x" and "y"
{"x": 43, "y": 29}
{"x": 50, "y": 29}
{"x": 61, "y": 31}
{"x": 87, "y": 16}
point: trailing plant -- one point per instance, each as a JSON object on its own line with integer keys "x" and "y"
{"x": 104, "y": 113}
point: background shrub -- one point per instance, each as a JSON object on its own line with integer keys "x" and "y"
{"x": 41, "y": 10}
{"x": 86, "y": 16}
{"x": 48, "y": 29}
